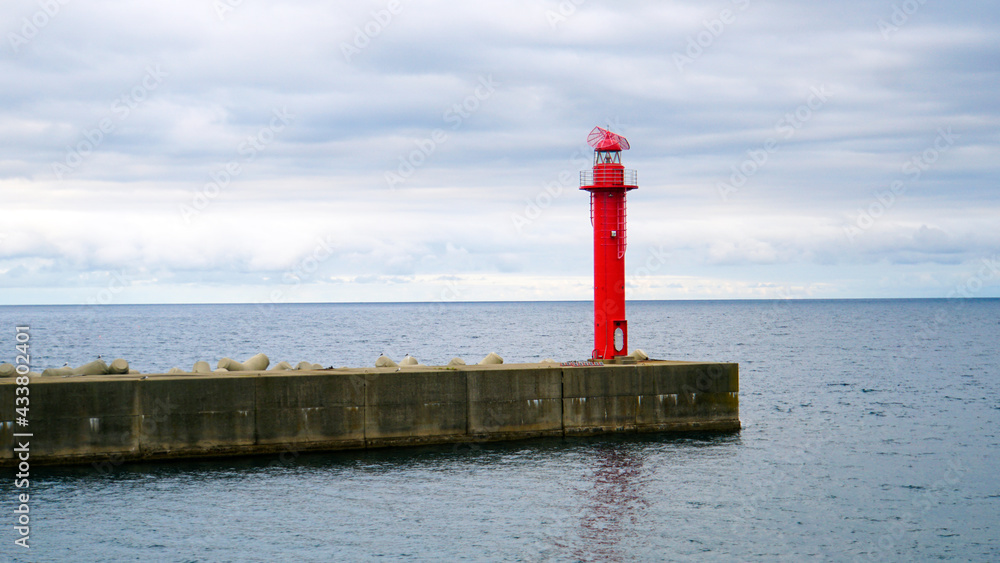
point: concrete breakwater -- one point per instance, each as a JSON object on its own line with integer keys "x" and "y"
{"x": 120, "y": 418}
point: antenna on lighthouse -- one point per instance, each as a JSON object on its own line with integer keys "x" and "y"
{"x": 608, "y": 182}
{"x": 602, "y": 139}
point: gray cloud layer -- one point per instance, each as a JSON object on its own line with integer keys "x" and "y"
{"x": 408, "y": 151}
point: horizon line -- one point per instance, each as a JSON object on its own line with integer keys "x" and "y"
{"x": 265, "y": 303}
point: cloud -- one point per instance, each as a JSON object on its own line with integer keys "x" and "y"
{"x": 147, "y": 106}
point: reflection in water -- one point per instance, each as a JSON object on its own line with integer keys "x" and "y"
{"x": 614, "y": 502}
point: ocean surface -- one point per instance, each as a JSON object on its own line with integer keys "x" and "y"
{"x": 871, "y": 432}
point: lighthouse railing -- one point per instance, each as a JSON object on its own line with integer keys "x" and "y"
{"x": 610, "y": 177}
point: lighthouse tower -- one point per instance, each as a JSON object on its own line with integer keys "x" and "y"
{"x": 608, "y": 183}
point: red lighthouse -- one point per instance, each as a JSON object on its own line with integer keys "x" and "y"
{"x": 608, "y": 183}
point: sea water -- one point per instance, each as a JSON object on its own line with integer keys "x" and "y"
{"x": 870, "y": 432}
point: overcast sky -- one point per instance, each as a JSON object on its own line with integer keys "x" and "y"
{"x": 255, "y": 151}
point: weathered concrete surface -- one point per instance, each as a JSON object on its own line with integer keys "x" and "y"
{"x": 688, "y": 397}
{"x": 414, "y": 406}
{"x": 514, "y": 403}
{"x": 90, "y": 418}
{"x": 131, "y": 417}
{"x": 185, "y": 416}
{"x": 319, "y": 411}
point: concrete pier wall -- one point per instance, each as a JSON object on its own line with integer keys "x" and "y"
{"x": 129, "y": 417}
